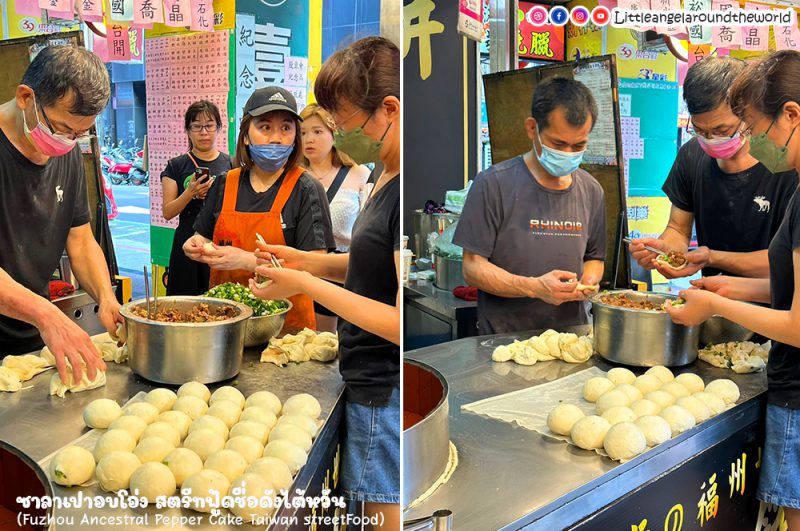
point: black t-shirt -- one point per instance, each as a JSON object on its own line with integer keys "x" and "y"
{"x": 38, "y": 207}
{"x": 369, "y": 364}
{"x": 738, "y": 212}
{"x": 181, "y": 168}
{"x": 783, "y": 368}
{"x": 306, "y": 214}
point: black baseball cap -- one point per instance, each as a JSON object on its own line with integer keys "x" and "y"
{"x": 269, "y": 99}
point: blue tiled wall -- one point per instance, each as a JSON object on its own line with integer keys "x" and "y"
{"x": 346, "y": 21}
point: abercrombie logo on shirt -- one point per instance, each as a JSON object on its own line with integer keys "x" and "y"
{"x": 556, "y": 228}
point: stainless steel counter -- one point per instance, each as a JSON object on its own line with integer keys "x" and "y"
{"x": 40, "y": 424}
{"x": 510, "y": 477}
{"x": 433, "y": 315}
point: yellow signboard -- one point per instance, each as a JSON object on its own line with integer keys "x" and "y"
{"x": 585, "y": 41}
{"x": 24, "y": 26}
{"x": 635, "y": 64}
{"x": 647, "y": 218}
{"x": 224, "y": 19}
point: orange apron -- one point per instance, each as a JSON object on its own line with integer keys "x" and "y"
{"x": 239, "y": 229}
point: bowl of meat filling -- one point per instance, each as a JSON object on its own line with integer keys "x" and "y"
{"x": 186, "y": 338}
{"x": 633, "y": 328}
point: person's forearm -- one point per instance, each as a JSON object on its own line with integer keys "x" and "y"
{"x": 18, "y": 302}
{"x": 593, "y": 270}
{"x": 748, "y": 289}
{"x": 330, "y": 266}
{"x": 89, "y": 265}
{"x": 778, "y": 325}
{"x": 375, "y": 317}
{"x": 177, "y": 205}
{"x": 490, "y": 278}
{"x": 753, "y": 265}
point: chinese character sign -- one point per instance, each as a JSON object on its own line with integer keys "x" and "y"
{"x": 726, "y": 36}
{"x": 419, "y": 24}
{"x": 539, "y": 42}
{"x": 698, "y": 34}
{"x": 148, "y": 12}
{"x": 755, "y": 38}
{"x": 787, "y": 37}
{"x": 120, "y": 10}
{"x": 245, "y": 60}
{"x": 90, "y": 10}
{"x": 202, "y": 15}
{"x": 59, "y": 6}
{"x": 119, "y": 48}
{"x": 177, "y": 13}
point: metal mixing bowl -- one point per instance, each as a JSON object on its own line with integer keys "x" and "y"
{"x": 176, "y": 353}
{"x": 720, "y": 330}
{"x": 642, "y": 338}
{"x": 260, "y": 329}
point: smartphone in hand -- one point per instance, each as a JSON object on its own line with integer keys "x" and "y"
{"x": 202, "y": 174}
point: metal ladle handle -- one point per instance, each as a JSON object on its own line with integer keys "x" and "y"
{"x": 147, "y": 290}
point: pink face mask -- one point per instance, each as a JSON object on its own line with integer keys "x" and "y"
{"x": 45, "y": 140}
{"x": 721, "y": 148}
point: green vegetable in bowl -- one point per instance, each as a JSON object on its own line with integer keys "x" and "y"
{"x": 236, "y": 292}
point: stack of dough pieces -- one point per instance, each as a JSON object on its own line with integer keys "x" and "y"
{"x": 741, "y": 357}
{"x": 550, "y": 345}
{"x": 304, "y": 346}
{"x": 634, "y": 413}
{"x": 235, "y": 445}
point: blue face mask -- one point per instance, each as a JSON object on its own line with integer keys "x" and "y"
{"x": 270, "y": 157}
{"x": 558, "y": 163}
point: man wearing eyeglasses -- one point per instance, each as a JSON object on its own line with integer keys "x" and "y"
{"x": 44, "y": 208}
{"x": 735, "y": 203}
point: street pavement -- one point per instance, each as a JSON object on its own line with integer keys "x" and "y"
{"x": 130, "y": 232}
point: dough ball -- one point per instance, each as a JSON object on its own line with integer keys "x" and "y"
{"x": 678, "y": 418}
{"x": 204, "y": 442}
{"x": 661, "y": 398}
{"x": 611, "y": 399}
{"x": 153, "y": 449}
{"x": 114, "y": 471}
{"x": 308, "y": 424}
{"x": 618, "y": 414}
{"x": 253, "y": 429}
{"x": 147, "y": 412}
{"x": 655, "y": 429}
{"x": 292, "y": 433}
{"x": 726, "y": 389}
{"x": 675, "y": 389}
{"x": 178, "y": 420}
{"x": 588, "y": 433}
{"x": 183, "y": 463}
{"x": 162, "y": 399}
{"x": 195, "y": 389}
{"x": 273, "y": 470}
{"x": 647, "y": 383}
{"x": 302, "y": 404}
{"x": 662, "y": 373}
{"x": 130, "y": 423}
{"x": 226, "y": 392}
{"x": 229, "y": 462}
{"x": 691, "y": 381}
{"x": 596, "y": 387}
{"x": 563, "y": 417}
{"x": 715, "y": 404}
{"x": 259, "y": 414}
{"x": 621, "y": 375}
{"x": 624, "y": 441}
{"x": 292, "y": 455}
{"x": 101, "y": 413}
{"x": 72, "y": 466}
{"x": 191, "y": 405}
{"x": 633, "y": 393}
{"x": 645, "y": 407}
{"x": 113, "y": 441}
{"x": 152, "y": 480}
{"x": 202, "y": 486}
{"x": 264, "y": 399}
{"x": 251, "y": 449}
{"x": 227, "y": 411}
{"x": 208, "y": 422}
{"x": 163, "y": 430}
{"x": 255, "y": 487}
{"x": 696, "y": 407}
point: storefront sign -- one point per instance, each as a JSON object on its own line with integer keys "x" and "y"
{"x": 245, "y": 60}
{"x": 148, "y": 12}
{"x": 202, "y": 15}
{"x": 699, "y": 34}
{"x": 92, "y": 10}
{"x": 538, "y": 42}
{"x": 726, "y": 36}
{"x": 118, "y": 44}
{"x": 755, "y": 38}
{"x": 177, "y": 13}
{"x": 786, "y": 37}
{"x": 470, "y": 19}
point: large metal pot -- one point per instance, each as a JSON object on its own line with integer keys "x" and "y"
{"x": 426, "y": 434}
{"x": 176, "y": 353}
{"x": 21, "y": 477}
{"x": 260, "y": 329}
{"x": 449, "y": 273}
{"x": 642, "y": 338}
{"x": 720, "y": 330}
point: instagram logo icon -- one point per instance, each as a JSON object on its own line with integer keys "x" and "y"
{"x": 537, "y": 16}
{"x": 580, "y": 16}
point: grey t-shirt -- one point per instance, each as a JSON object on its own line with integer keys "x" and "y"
{"x": 529, "y": 230}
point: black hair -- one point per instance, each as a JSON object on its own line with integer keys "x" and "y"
{"x": 568, "y": 94}
{"x": 707, "y": 82}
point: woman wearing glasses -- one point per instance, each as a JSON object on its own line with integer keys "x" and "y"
{"x": 185, "y": 182}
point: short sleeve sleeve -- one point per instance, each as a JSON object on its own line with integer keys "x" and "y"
{"x": 481, "y": 217}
